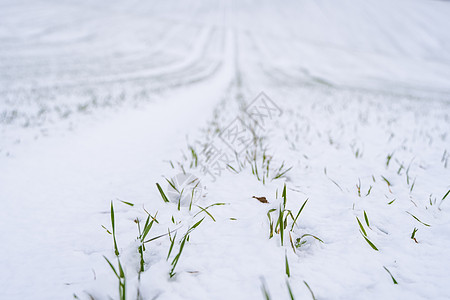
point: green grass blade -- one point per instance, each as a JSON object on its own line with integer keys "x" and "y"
{"x": 369, "y": 242}
{"x": 229, "y": 166}
{"x": 177, "y": 257}
{"x": 279, "y": 175}
{"x": 172, "y": 185}
{"x": 445, "y": 196}
{"x": 215, "y": 204}
{"x": 280, "y": 221}
{"x": 163, "y": 196}
{"x": 196, "y": 225}
{"x": 109, "y": 232}
{"x": 270, "y": 211}
{"x": 160, "y": 236}
{"x": 288, "y": 272}
{"x": 125, "y": 202}
{"x": 121, "y": 272}
{"x": 116, "y": 249}
{"x": 310, "y": 290}
{"x": 387, "y": 181}
{"x": 419, "y": 220}
{"x": 291, "y": 241}
{"x": 298, "y": 214}
{"x": 146, "y": 230}
{"x": 207, "y": 212}
{"x": 112, "y": 267}
{"x": 393, "y": 279}
{"x": 155, "y": 238}
{"x": 172, "y": 242}
{"x": 361, "y": 226}
{"x": 264, "y": 289}
{"x": 367, "y": 219}
{"x": 112, "y": 217}
{"x": 313, "y": 236}
{"x": 291, "y": 295}
{"x": 414, "y": 233}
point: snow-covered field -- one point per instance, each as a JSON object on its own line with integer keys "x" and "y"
{"x": 103, "y": 102}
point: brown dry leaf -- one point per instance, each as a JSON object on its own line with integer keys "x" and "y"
{"x": 261, "y": 199}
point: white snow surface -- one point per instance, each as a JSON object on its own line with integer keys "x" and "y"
{"x": 100, "y": 100}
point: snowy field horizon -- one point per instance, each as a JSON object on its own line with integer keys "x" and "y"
{"x": 225, "y": 149}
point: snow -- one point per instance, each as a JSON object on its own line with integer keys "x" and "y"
{"x": 102, "y": 100}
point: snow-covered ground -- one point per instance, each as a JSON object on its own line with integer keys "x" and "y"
{"x": 102, "y": 100}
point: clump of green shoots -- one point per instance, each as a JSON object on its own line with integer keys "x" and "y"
{"x": 191, "y": 187}
{"x": 282, "y": 226}
{"x": 281, "y": 172}
{"x": 182, "y": 243}
{"x": 282, "y": 219}
{"x": 263, "y": 170}
{"x": 358, "y": 188}
{"x": 363, "y": 231}
{"x": 141, "y": 238}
